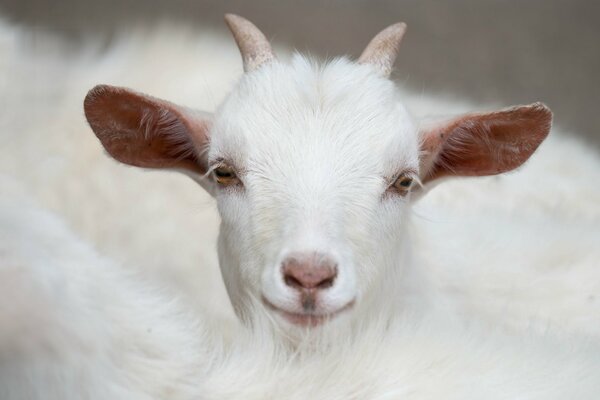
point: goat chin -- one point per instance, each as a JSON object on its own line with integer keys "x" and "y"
{"x": 76, "y": 325}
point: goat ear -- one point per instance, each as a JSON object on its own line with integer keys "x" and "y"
{"x": 483, "y": 143}
{"x": 143, "y": 131}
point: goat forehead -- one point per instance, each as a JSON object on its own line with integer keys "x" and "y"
{"x": 337, "y": 116}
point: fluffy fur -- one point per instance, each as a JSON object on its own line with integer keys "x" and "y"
{"x": 543, "y": 219}
{"x": 75, "y": 325}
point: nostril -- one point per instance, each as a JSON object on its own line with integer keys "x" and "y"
{"x": 292, "y": 281}
{"x": 326, "y": 283}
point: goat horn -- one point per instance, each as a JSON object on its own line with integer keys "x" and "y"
{"x": 382, "y": 50}
{"x": 254, "y": 46}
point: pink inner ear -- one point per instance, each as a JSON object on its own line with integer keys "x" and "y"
{"x": 146, "y": 132}
{"x": 485, "y": 144}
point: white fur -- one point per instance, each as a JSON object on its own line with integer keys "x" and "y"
{"x": 74, "y": 325}
{"x": 167, "y": 227}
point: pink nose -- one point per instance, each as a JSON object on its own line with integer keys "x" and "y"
{"x": 310, "y": 271}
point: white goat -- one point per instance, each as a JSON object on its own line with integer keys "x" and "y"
{"x": 313, "y": 168}
{"x": 549, "y": 204}
{"x": 179, "y": 359}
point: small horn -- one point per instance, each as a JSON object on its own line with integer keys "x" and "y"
{"x": 254, "y": 46}
{"x": 382, "y": 50}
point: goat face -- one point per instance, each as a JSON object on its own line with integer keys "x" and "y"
{"x": 309, "y": 161}
{"x": 312, "y": 167}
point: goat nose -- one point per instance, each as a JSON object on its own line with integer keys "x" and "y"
{"x": 309, "y": 272}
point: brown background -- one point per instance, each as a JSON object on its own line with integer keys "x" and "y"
{"x": 500, "y": 51}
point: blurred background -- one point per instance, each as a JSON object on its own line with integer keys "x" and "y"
{"x": 498, "y": 51}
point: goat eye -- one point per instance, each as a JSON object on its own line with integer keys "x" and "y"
{"x": 402, "y": 184}
{"x": 225, "y": 176}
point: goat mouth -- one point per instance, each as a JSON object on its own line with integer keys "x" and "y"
{"x": 308, "y": 320}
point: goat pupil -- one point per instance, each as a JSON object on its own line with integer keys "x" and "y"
{"x": 223, "y": 173}
{"x": 403, "y": 182}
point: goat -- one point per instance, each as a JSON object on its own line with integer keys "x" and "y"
{"x": 540, "y": 223}
{"x": 314, "y": 168}
{"x": 102, "y": 333}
